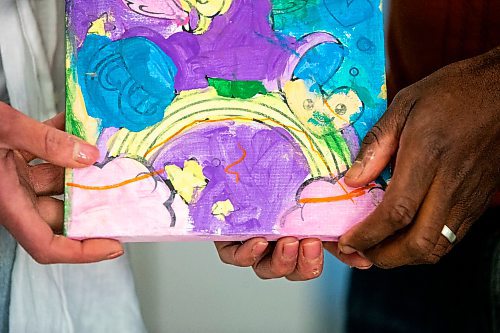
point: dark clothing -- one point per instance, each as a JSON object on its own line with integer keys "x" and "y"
{"x": 462, "y": 292}
{"x": 459, "y": 294}
{"x": 424, "y": 36}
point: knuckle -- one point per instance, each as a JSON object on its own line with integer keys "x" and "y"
{"x": 401, "y": 106}
{"x": 401, "y": 212}
{"x": 52, "y": 142}
{"x": 420, "y": 248}
{"x": 373, "y": 135}
{"x": 435, "y": 145}
{"x": 404, "y": 96}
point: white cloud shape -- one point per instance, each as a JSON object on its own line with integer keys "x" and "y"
{"x": 135, "y": 210}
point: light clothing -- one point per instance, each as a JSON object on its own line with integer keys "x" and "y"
{"x": 4, "y": 97}
{"x": 7, "y": 243}
{"x": 7, "y": 253}
{"x": 97, "y": 298}
{"x": 57, "y": 298}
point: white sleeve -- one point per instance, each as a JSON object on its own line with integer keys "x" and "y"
{"x": 57, "y": 298}
{"x": 98, "y": 298}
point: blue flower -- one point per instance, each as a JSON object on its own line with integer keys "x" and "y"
{"x": 126, "y": 83}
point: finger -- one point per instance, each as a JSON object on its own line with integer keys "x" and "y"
{"x": 463, "y": 214}
{"x": 310, "y": 261}
{"x": 57, "y": 122}
{"x": 413, "y": 175}
{"x": 22, "y": 220}
{"x": 352, "y": 260}
{"x": 381, "y": 142}
{"x": 242, "y": 255}
{"x": 52, "y": 212}
{"x": 281, "y": 262}
{"x": 446, "y": 203}
{"x": 19, "y": 132}
{"x": 415, "y": 244}
{"x": 47, "y": 179}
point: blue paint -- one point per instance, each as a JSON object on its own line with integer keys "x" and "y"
{"x": 365, "y": 45}
{"x": 350, "y": 12}
{"x": 320, "y": 63}
{"x": 127, "y": 83}
{"x": 323, "y": 15}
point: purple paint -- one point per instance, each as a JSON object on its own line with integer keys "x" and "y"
{"x": 270, "y": 174}
{"x": 102, "y": 142}
{"x": 84, "y": 12}
{"x": 239, "y": 45}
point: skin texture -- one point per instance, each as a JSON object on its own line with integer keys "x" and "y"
{"x": 27, "y": 209}
{"x": 442, "y": 133}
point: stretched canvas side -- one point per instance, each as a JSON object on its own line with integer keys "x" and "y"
{"x": 226, "y": 119}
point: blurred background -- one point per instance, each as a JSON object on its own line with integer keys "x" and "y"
{"x": 184, "y": 287}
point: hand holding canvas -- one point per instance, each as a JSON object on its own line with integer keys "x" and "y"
{"x": 27, "y": 209}
{"x": 288, "y": 257}
{"x": 445, "y": 133}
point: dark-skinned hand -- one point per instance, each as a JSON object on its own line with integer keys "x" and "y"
{"x": 27, "y": 208}
{"x": 288, "y": 257}
{"x": 443, "y": 133}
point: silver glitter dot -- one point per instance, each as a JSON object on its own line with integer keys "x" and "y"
{"x": 341, "y": 109}
{"x": 308, "y": 104}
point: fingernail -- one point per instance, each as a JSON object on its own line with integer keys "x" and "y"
{"x": 364, "y": 267}
{"x": 291, "y": 250}
{"x": 259, "y": 249}
{"x": 115, "y": 255}
{"x": 347, "y": 249}
{"x": 85, "y": 153}
{"x": 312, "y": 251}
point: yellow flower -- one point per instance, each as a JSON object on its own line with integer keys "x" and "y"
{"x": 207, "y": 10}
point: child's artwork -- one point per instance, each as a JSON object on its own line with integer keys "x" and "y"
{"x": 221, "y": 119}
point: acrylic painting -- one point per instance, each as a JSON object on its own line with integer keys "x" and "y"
{"x": 221, "y": 119}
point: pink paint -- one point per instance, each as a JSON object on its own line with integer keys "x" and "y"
{"x": 329, "y": 218}
{"x": 135, "y": 209}
{"x": 164, "y": 9}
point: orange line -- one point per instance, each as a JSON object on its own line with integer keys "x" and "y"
{"x": 109, "y": 187}
{"x": 343, "y": 188}
{"x": 232, "y": 165}
{"x": 333, "y": 111}
{"x": 133, "y": 180}
{"x": 349, "y": 196}
{"x": 236, "y": 118}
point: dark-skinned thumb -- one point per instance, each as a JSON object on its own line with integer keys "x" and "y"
{"x": 381, "y": 142}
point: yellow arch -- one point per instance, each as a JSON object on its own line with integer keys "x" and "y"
{"x": 193, "y": 108}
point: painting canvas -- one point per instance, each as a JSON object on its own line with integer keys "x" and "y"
{"x": 221, "y": 119}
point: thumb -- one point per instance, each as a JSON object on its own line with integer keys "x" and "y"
{"x": 381, "y": 142}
